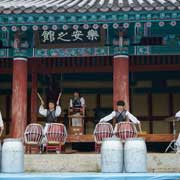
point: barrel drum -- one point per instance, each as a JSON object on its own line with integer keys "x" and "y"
{"x": 112, "y": 155}
{"x": 135, "y": 155}
{"x": 102, "y": 130}
{"x": 12, "y": 156}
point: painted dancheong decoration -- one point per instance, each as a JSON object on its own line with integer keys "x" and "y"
{"x": 43, "y": 29}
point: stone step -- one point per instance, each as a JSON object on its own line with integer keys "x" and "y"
{"x": 157, "y": 162}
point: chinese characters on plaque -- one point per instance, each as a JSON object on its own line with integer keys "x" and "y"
{"x": 69, "y": 38}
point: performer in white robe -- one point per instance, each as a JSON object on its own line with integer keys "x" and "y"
{"x": 121, "y": 114}
{"x": 77, "y": 102}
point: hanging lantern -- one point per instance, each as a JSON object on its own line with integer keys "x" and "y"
{"x": 161, "y": 23}
{"x": 35, "y": 28}
{"x": 148, "y": 24}
{"x": 54, "y": 27}
{"x": 14, "y": 28}
{"x": 85, "y": 26}
{"x": 65, "y": 27}
{"x": 126, "y": 25}
{"x": 115, "y": 25}
{"x": 138, "y": 25}
{"x": 45, "y": 27}
{"x": 105, "y": 26}
{"x": 4, "y": 28}
{"x": 24, "y": 28}
{"x": 173, "y": 23}
{"x": 95, "y": 26}
{"x": 75, "y": 26}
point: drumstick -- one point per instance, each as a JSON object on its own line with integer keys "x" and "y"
{"x": 59, "y": 97}
{"x": 39, "y": 96}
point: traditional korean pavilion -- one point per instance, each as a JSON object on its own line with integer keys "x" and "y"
{"x": 109, "y": 49}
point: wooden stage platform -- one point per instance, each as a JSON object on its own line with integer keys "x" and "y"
{"x": 90, "y": 138}
{"x": 148, "y": 138}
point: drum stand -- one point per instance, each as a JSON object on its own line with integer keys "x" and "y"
{"x": 172, "y": 144}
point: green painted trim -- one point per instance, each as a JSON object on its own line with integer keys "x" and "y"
{"x": 97, "y": 51}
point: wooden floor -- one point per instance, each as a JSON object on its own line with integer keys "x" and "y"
{"x": 147, "y": 137}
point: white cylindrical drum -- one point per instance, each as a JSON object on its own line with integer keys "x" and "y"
{"x": 111, "y": 155}
{"x": 135, "y": 155}
{"x": 12, "y": 156}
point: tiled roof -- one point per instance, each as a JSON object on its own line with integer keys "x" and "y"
{"x": 53, "y": 6}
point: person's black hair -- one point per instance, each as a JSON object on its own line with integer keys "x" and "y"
{"x": 51, "y": 101}
{"x": 120, "y": 103}
{"x": 76, "y": 91}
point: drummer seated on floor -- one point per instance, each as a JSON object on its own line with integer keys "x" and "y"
{"x": 77, "y": 108}
{"x": 122, "y": 115}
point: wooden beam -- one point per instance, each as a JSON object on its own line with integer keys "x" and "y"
{"x": 98, "y": 100}
{"x": 134, "y": 68}
{"x": 150, "y": 113}
{"x": 8, "y": 114}
{"x": 171, "y": 111}
{"x": 34, "y": 87}
{"x": 44, "y": 70}
{"x": 155, "y": 67}
{"x": 5, "y": 70}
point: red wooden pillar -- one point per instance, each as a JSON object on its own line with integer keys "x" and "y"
{"x": 34, "y": 98}
{"x": 19, "y": 97}
{"x": 121, "y": 79}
